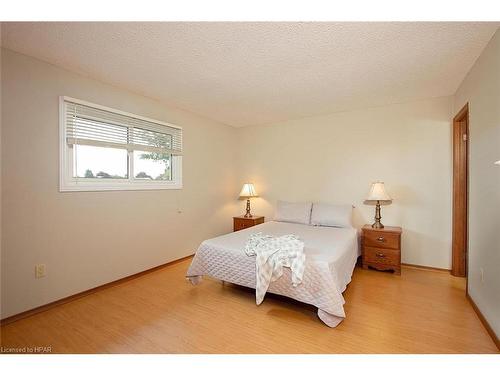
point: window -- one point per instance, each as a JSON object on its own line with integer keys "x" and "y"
{"x": 106, "y": 149}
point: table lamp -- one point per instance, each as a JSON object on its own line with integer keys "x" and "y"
{"x": 247, "y": 192}
{"x": 378, "y": 194}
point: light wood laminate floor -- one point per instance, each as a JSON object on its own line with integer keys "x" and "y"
{"x": 418, "y": 312}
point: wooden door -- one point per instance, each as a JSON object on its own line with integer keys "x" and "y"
{"x": 460, "y": 192}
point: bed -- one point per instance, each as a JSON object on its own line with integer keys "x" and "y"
{"x": 331, "y": 255}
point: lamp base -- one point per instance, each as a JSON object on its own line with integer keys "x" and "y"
{"x": 377, "y": 224}
{"x": 248, "y": 214}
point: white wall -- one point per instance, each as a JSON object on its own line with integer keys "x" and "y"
{"x": 481, "y": 89}
{"x": 89, "y": 238}
{"x": 334, "y": 158}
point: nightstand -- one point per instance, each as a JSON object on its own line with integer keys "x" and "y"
{"x": 242, "y": 222}
{"x": 381, "y": 248}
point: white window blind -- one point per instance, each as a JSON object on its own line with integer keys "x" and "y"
{"x": 91, "y": 126}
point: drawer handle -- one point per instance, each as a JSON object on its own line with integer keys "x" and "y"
{"x": 381, "y": 239}
{"x": 380, "y": 255}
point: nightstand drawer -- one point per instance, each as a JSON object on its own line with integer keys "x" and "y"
{"x": 239, "y": 225}
{"x": 381, "y": 256}
{"x": 241, "y": 222}
{"x": 381, "y": 239}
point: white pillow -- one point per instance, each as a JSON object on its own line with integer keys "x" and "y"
{"x": 293, "y": 212}
{"x": 332, "y": 215}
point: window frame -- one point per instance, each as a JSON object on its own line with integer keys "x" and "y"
{"x": 68, "y": 183}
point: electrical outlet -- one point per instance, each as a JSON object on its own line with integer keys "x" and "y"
{"x": 39, "y": 270}
{"x": 481, "y": 271}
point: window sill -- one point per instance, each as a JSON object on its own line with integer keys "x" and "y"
{"x": 82, "y": 186}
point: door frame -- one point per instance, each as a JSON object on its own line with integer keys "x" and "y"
{"x": 460, "y": 198}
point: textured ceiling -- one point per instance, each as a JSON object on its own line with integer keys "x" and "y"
{"x": 255, "y": 73}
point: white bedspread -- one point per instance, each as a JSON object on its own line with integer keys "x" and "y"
{"x": 331, "y": 255}
{"x": 271, "y": 255}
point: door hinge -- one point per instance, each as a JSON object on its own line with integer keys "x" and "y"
{"x": 464, "y": 137}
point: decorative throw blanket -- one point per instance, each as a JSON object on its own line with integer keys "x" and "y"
{"x": 272, "y": 254}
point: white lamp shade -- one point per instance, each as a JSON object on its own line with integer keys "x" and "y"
{"x": 378, "y": 193}
{"x": 248, "y": 191}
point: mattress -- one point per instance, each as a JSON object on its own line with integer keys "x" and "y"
{"x": 331, "y": 255}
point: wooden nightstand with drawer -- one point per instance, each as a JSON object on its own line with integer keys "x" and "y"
{"x": 381, "y": 248}
{"x": 242, "y": 222}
